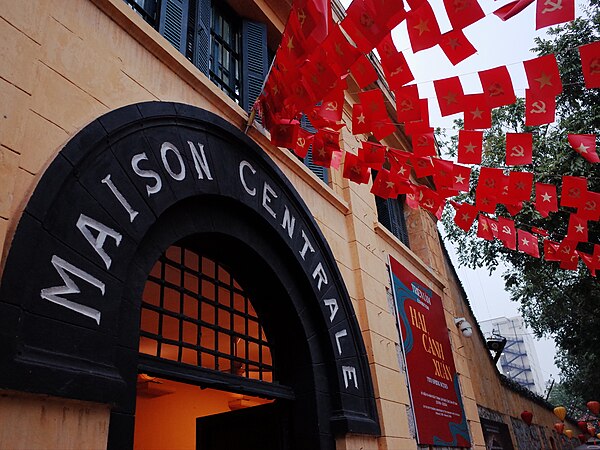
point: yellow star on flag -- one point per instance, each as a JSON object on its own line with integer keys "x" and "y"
{"x": 422, "y": 26}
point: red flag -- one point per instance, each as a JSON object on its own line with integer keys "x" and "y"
{"x": 386, "y": 48}
{"x": 450, "y": 95}
{"x": 588, "y": 260}
{"x": 314, "y": 17}
{"x": 507, "y": 233}
{"x": 551, "y": 250}
{"x": 360, "y": 124}
{"x": 512, "y": 9}
{"x": 372, "y": 154}
{"x": 497, "y": 86}
{"x": 355, "y": 170}
{"x": 332, "y": 107}
{"x": 542, "y": 75}
{"x": 591, "y": 206}
{"x": 514, "y": 208}
{"x": 519, "y": 186}
{"x": 340, "y": 53}
{"x": 383, "y": 185}
{"x": 567, "y": 252}
{"x": 539, "y": 231}
{"x": 423, "y": 29}
{"x": 528, "y": 243}
{"x": 456, "y": 46}
{"x": 431, "y": 201}
{"x": 397, "y": 72}
{"x": 423, "y": 166}
{"x": 491, "y": 181}
{"x": 469, "y": 146}
{"x": 585, "y": 145}
{"x": 519, "y": 148}
{"x": 539, "y": 110}
{"x": 573, "y": 191}
{"x": 553, "y": 12}
{"x": 422, "y": 125}
{"x": 373, "y": 103}
{"x": 590, "y": 64}
{"x": 486, "y": 203}
{"x": 465, "y": 216}
{"x": 383, "y": 128}
{"x": 423, "y": 144}
{"x": 442, "y": 176}
{"x": 324, "y": 144}
{"x": 398, "y": 160}
{"x": 303, "y": 142}
{"x": 364, "y": 25}
{"x": 285, "y": 133}
{"x": 578, "y": 229}
{"x": 484, "y": 227}
{"x": 478, "y": 114}
{"x": 463, "y": 13}
{"x": 411, "y": 198}
{"x": 407, "y": 103}
{"x": 363, "y": 72}
{"x": 546, "y": 200}
{"x": 462, "y": 176}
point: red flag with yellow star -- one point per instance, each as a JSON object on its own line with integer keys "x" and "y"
{"x": 585, "y": 145}
{"x": 373, "y": 103}
{"x": 470, "y": 146}
{"x": 450, "y": 95}
{"x": 528, "y": 243}
{"x": 372, "y": 154}
{"x": 519, "y": 149}
{"x": 478, "y": 114}
{"x": 497, "y": 86}
{"x": 546, "y": 199}
{"x": 456, "y": 46}
{"x": 423, "y": 29}
{"x": 363, "y": 72}
{"x": 590, "y": 64}
{"x": 360, "y": 125}
{"x": 284, "y": 133}
{"x": 364, "y": 25}
{"x": 519, "y": 187}
{"x": 465, "y": 215}
{"x": 542, "y": 75}
{"x": 484, "y": 227}
{"x": 340, "y": 53}
{"x": 553, "y": 12}
{"x": 578, "y": 228}
{"x": 461, "y": 176}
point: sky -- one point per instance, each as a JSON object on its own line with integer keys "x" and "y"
{"x": 498, "y": 43}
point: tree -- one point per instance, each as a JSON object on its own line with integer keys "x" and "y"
{"x": 561, "y": 303}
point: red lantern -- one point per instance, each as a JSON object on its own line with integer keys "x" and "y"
{"x": 594, "y": 407}
{"x": 582, "y": 438}
{"x": 582, "y": 424}
{"x": 527, "y": 417}
{"x": 559, "y": 427}
{"x": 591, "y": 429}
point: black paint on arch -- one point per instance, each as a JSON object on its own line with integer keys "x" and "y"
{"x": 53, "y": 349}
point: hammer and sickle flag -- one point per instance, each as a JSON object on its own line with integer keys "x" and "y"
{"x": 590, "y": 64}
{"x": 539, "y": 108}
{"x": 519, "y": 148}
{"x": 497, "y": 85}
{"x": 553, "y": 12}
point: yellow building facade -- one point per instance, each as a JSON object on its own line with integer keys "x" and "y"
{"x": 172, "y": 279}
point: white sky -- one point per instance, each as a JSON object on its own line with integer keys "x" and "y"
{"x": 497, "y": 43}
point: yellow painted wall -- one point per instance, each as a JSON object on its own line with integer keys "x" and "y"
{"x": 31, "y": 422}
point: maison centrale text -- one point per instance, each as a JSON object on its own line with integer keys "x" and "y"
{"x": 96, "y": 233}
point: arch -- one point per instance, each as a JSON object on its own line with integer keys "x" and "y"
{"x": 126, "y": 187}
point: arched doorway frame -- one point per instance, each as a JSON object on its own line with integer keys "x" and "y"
{"x": 83, "y": 232}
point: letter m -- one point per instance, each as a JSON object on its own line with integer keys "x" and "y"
{"x": 53, "y": 294}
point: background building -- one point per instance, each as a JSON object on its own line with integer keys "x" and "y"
{"x": 519, "y": 360}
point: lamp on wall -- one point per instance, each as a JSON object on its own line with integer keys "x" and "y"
{"x": 464, "y": 326}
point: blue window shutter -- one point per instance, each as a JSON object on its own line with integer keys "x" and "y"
{"x": 201, "y": 58}
{"x": 254, "y": 61}
{"x": 173, "y": 22}
{"x": 319, "y": 171}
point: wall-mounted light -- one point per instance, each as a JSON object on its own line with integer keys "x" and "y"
{"x": 464, "y": 326}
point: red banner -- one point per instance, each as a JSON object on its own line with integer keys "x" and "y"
{"x": 432, "y": 378}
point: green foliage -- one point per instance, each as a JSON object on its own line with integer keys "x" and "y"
{"x": 561, "y": 396}
{"x": 553, "y": 301}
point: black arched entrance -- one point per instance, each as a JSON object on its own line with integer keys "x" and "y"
{"x": 128, "y": 186}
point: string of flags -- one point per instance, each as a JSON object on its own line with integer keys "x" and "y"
{"x": 308, "y": 78}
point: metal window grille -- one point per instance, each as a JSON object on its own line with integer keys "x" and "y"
{"x": 225, "y": 58}
{"x": 194, "y": 312}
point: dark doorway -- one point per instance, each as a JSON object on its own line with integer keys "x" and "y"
{"x": 260, "y": 428}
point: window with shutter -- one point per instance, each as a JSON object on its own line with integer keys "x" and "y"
{"x": 390, "y": 213}
{"x": 319, "y": 171}
{"x": 173, "y": 22}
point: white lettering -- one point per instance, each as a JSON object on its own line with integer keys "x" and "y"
{"x": 200, "y": 161}
{"x": 338, "y": 336}
{"x": 307, "y": 245}
{"x": 146, "y": 173}
{"x": 85, "y": 223}
{"x": 349, "y": 373}
{"x": 53, "y": 294}
{"x": 243, "y": 164}
{"x": 266, "y": 199}
{"x": 288, "y": 221}
{"x": 132, "y": 213}
{"x": 320, "y": 272}
{"x": 333, "y": 307}
{"x": 167, "y": 146}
